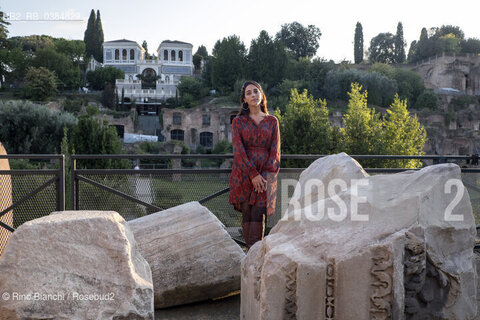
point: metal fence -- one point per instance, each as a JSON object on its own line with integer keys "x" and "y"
{"x": 135, "y": 193}
{"x": 30, "y": 193}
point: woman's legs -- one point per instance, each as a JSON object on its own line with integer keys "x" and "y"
{"x": 253, "y": 224}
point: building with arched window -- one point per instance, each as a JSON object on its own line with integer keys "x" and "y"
{"x": 149, "y": 82}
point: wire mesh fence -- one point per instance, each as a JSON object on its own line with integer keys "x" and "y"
{"x": 27, "y": 194}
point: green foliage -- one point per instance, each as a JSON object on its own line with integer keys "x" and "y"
{"x": 40, "y": 84}
{"x": 446, "y": 39}
{"x": 30, "y": 128}
{"x": 73, "y": 105}
{"x": 89, "y": 36}
{"x": 302, "y": 41}
{"x": 383, "y": 68}
{"x": 399, "y": 45}
{"x": 97, "y": 79}
{"x": 92, "y": 136}
{"x": 73, "y": 49}
{"x": 108, "y": 96}
{"x": 410, "y": 85}
{"x": 402, "y": 135}
{"x": 427, "y": 99}
{"x": 338, "y": 83}
{"x": 305, "y": 126}
{"x": 471, "y": 45}
{"x": 267, "y": 60}
{"x": 31, "y": 43}
{"x": 3, "y": 30}
{"x": 228, "y": 64}
{"x": 365, "y": 132}
{"x": 202, "y": 51}
{"x": 192, "y": 86}
{"x": 381, "y": 89}
{"x": 68, "y": 73}
{"x": 280, "y": 96}
{"x": 358, "y": 44}
{"x": 382, "y": 48}
{"x": 363, "y": 126}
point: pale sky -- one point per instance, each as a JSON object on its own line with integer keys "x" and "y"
{"x": 206, "y": 21}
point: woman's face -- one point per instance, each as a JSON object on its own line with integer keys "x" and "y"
{"x": 253, "y": 96}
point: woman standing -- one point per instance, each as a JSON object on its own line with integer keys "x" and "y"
{"x": 256, "y": 162}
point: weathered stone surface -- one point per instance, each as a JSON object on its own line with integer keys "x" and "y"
{"x": 75, "y": 265}
{"x": 191, "y": 255}
{"x": 5, "y": 200}
{"x": 407, "y": 261}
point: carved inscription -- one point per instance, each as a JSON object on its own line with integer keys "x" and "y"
{"x": 330, "y": 293}
{"x": 382, "y": 297}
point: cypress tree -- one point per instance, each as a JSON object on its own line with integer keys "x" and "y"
{"x": 399, "y": 45}
{"x": 98, "y": 54}
{"x": 89, "y": 36}
{"x": 358, "y": 43}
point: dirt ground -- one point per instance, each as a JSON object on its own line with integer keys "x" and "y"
{"x": 223, "y": 309}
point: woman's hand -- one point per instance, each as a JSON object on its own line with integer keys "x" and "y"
{"x": 259, "y": 184}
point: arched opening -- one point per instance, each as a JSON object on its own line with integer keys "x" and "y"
{"x": 180, "y": 55}
{"x": 172, "y": 55}
{"x": 149, "y": 76}
{"x": 124, "y": 54}
{"x": 117, "y": 54}
{"x": 165, "y": 55}
{"x": 132, "y": 54}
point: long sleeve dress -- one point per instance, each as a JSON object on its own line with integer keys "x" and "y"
{"x": 256, "y": 150}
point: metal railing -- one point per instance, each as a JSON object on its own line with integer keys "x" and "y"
{"x": 30, "y": 194}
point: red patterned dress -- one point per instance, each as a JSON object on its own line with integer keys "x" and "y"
{"x": 256, "y": 151}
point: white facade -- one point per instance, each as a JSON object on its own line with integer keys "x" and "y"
{"x": 174, "y": 61}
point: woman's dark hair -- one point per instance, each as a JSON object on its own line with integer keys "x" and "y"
{"x": 245, "y": 110}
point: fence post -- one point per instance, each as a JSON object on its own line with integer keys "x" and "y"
{"x": 61, "y": 184}
{"x": 73, "y": 175}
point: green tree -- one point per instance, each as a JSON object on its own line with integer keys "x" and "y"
{"x": 267, "y": 60}
{"x": 228, "y": 64}
{"x": 69, "y": 74}
{"x": 402, "y": 135}
{"x": 99, "y": 38}
{"x": 90, "y": 36}
{"x": 471, "y": 45}
{"x": 302, "y": 41}
{"x": 399, "y": 45}
{"x": 97, "y": 79}
{"x": 382, "y": 48}
{"x": 358, "y": 44}
{"x": 108, "y": 96}
{"x": 31, "y": 128}
{"x": 92, "y": 136}
{"x": 145, "y": 47}
{"x": 73, "y": 49}
{"x": 305, "y": 126}
{"x": 192, "y": 86}
{"x": 202, "y": 51}
{"x": 410, "y": 84}
{"x": 363, "y": 126}
{"x": 40, "y": 83}
{"x": 427, "y": 99}
{"x": 3, "y": 30}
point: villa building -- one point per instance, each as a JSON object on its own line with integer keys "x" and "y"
{"x": 149, "y": 82}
